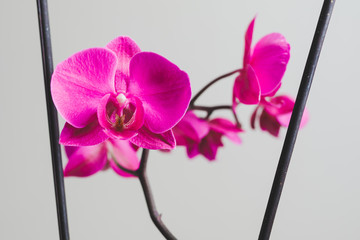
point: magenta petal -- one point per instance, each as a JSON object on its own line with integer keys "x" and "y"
{"x": 79, "y": 82}
{"x": 269, "y": 59}
{"x": 85, "y": 161}
{"x": 246, "y": 87}
{"x": 210, "y": 144}
{"x": 125, "y": 155}
{"x": 273, "y": 92}
{"x": 150, "y": 140}
{"x": 89, "y": 135}
{"x": 192, "y": 148}
{"x": 269, "y": 123}
{"x": 124, "y": 48}
{"x": 248, "y": 40}
{"x": 280, "y": 105}
{"x": 284, "y": 119}
{"x": 190, "y": 127}
{"x": 227, "y": 128}
{"x": 162, "y": 87}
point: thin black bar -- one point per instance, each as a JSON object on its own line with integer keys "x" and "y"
{"x": 299, "y": 107}
{"x": 44, "y": 27}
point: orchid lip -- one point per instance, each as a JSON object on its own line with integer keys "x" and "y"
{"x": 120, "y": 116}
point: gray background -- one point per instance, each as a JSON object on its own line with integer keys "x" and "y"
{"x": 224, "y": 199}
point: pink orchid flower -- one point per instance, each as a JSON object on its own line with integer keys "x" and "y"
{"x": 276, "y": 113}
{"x": 263, "y": 67}
{"x": 119, "y": 92}
{"x": 204, "y": 136}
{"x": 88, "y": 160}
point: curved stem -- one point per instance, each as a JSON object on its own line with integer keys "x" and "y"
{"x": 238, "y": 124}
{"x": 141, "y": 174}
{"x": 209, "y": 84}
{"x": 155, "y": 216}
{"x": 210, "y": 110}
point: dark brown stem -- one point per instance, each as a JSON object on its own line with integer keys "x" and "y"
{"x": 141, "y": 174}
{"x": 155, "y": 216}
{"x": 210, "y": 110}
{"x": 192, "y": 102}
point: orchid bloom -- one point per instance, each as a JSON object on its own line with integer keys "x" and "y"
{"x": 88, "y": 160}
{"x": 204, "y": 136}
{"x": 276, "y": 113}
{"x": 263, "y": 67}
{"x": 119, "y": 92}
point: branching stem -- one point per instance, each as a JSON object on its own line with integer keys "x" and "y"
{"x": 192, "y": 102}
{"x": 141, "y": 174}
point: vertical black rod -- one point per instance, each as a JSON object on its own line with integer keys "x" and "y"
{"x": 46, "y": 51}
{"x": 295, "y": 121}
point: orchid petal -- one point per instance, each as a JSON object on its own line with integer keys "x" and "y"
{"x": 162, "y": 87}
{"x": 124, "y": 48}
{"x": 210, "y": 144}
{"x": 280, "y": 105}
{"x": 89, "y": 135}
{"x": 273, "y": 92}
{"x": 246, "y": 87}
{"x": 248, "y": 40}
{"x": 85, "y": 161}
{"x": 284, "y": 119}
{"x": 269, "y": 59}
{"x": 149, "y": 140}
{"x": 79, "y": 82}
{"x": 190, "y": 127}
{"x": 192, "y": 148}
{"x": 125, "y": 155}
{"x": 227, "y": 128}
{"x": 269, "y": 123}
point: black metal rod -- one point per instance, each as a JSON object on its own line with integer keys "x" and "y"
{"x": 46, "y": 51}
{"x": 295, "y": 121}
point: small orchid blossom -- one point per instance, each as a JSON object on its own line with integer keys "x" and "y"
{"x": 276, "y": 113}
{"x": 263, "y": 67}
{"x": 88, "y": 160}
{"x": 119, "y": 92}
{"x": 202, "y": 136}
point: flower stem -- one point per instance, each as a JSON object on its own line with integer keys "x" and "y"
{"x": 210, "y": 110}
{"x": 192, "y": 102}
{"x": 141, "y": 174}
{"x": 155, "y": 216}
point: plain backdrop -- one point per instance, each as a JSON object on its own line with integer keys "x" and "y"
{"x": 224, "y": 199}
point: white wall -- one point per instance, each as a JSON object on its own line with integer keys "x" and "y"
{"x": 225, "y": 199}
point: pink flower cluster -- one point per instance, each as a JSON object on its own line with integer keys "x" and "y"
{"x": 118, "y": 98}
{"x": 260, "y": 79}
{"x": 202, "y": 136}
